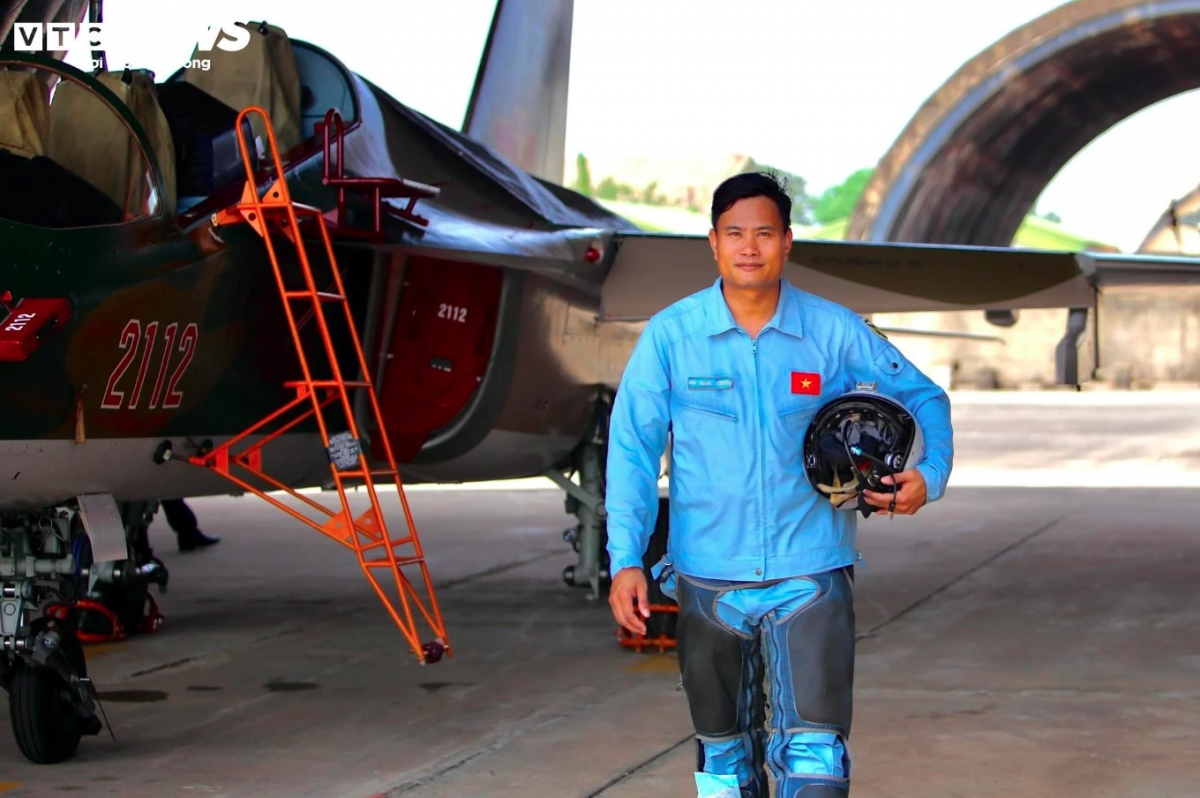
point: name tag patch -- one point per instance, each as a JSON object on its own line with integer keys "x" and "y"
{"x": 709, "y": 383}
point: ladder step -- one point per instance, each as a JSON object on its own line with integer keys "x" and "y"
{"x": 399, "y": 561}
{"x": 327, "y": 384}
{"x": 321, "y": 295}
{"x": 275, "y": 208}
{"x": 362, "y": 474}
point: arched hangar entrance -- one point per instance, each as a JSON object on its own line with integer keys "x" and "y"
{"x": 979, "y": 152}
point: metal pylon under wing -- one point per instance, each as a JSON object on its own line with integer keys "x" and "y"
{"x": 320, "y": 398}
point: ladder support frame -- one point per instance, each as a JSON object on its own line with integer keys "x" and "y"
{"x": 275, "y": 211}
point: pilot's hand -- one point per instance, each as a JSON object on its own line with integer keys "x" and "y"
{"x": 910, "y": 496}
{"x": 630, "y": 584}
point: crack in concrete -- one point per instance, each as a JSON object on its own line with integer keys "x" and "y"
{"x": 495, "y": 569}
{"x": 327, "y": 617}
{"x": 256, "y": 641}
{"x": 1024, "y": 692}
{"x": 638, "y": 768}
{"x": 448, "y": 765}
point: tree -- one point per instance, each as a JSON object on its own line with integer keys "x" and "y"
{"x": 627, "y": 193}
{"x": 837, "y": 202}
{"x": 607, "y": 189}
{"x": 583, "y": 181}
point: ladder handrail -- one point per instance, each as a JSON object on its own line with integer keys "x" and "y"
{"x": 332, "y": 116}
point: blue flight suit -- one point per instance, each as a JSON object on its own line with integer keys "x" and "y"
{"x": 759, "y": 561}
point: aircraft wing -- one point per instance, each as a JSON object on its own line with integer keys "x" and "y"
{"x": 649, "y": 272}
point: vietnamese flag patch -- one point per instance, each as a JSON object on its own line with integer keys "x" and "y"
{"x": 806, "y": 382}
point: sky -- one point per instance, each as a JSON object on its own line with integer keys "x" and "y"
{"x": 817, "y": 88}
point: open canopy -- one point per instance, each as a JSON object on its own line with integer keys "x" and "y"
{"x": 70, "y": 156}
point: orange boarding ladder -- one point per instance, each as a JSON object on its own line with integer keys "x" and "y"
{"x": 367, "y": 535}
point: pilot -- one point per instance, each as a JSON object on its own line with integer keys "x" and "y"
{"x": 760, "y": 563}
{"x": 183, "y": 521}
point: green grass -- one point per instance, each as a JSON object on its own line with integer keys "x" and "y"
{"x": 1038, "y": 233}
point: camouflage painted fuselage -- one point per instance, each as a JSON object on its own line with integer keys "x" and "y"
{"x": 481, "y": 327}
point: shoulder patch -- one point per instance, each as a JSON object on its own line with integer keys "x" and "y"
{"x": 871, "y": 325}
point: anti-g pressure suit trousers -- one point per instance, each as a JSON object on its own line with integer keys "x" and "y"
{"x": 768, "y": 669}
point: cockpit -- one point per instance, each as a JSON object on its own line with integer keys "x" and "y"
{"x": 75, "y": 155}
{"x": 68, "y": 157}
{"x": 294, "y": 82}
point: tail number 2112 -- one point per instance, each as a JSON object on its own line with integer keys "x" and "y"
{"x": 130, "y": 341}
{"x": 452, "y": 312}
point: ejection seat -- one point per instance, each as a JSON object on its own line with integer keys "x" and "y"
{"x": 264, "y": 74}
{"x": 36, "y": 188}
{"x": 90, "y": 139}
{"x": 202, "y": 105}
{"x": 136, "y": 89}
{"x": 23, "y": 122}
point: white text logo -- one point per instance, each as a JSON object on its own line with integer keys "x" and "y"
{"x": 62, "y": 36}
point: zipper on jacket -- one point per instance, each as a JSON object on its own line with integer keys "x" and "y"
{"x": 762, "y": 456}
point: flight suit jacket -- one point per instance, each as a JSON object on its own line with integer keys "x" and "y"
{"x": 741, "y": 504}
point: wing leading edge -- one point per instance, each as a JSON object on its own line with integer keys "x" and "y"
{"x": 649, "y": 272}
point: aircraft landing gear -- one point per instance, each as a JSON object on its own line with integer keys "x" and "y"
{"x": 118, "y": 601}
{"x": 589, "y": 538}
{"x": 42, "y": 666}
{"x": 585, "y": 501}
{"x": 50, "y": 697}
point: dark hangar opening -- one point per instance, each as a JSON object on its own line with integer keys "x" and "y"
{"x": 1027, "y": 105}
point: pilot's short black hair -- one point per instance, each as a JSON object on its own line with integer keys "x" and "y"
{"x": 752, "y": 184}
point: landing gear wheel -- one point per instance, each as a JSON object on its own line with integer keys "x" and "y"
{"x": 48, "y": 719}
{"x": 46, "y": 727}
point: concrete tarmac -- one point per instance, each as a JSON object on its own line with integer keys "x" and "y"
{"x": 1035, "y": 633}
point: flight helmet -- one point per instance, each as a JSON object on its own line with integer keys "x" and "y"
{"x": 857, "y": 439}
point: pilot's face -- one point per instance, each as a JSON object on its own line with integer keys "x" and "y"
{"x": 751, "y": 244}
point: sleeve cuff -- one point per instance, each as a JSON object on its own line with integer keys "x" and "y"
{"x": 933, "y": 482}
{"x": 620, "y": 561}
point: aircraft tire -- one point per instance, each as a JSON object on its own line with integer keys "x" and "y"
{"x": 659, "y": 623}
{"x": 46, "y": 728}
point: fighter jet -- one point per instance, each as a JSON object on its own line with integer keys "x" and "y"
{"x": 146, "y": 331}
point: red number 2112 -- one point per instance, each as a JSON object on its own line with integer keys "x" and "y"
{"x": 130, "y": 341}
